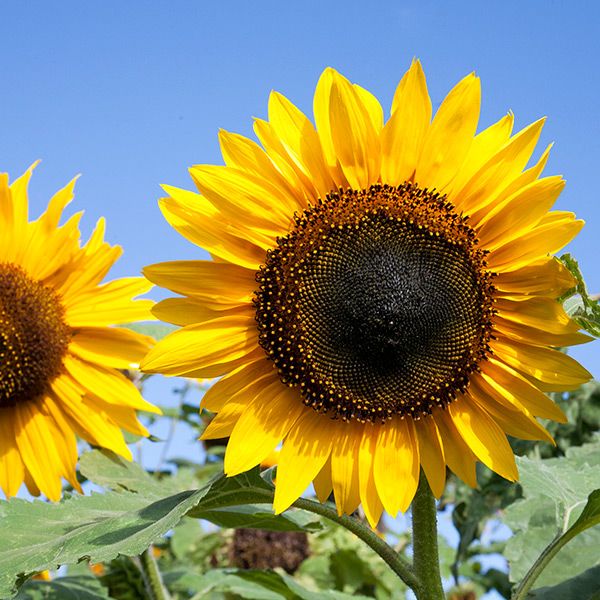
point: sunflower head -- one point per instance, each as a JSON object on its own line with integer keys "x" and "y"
{"x": 382, "y": 295}
{"x": 60, "y": 354}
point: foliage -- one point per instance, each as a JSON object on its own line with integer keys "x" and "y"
{"x": 577, "y": 303}
{"x": 559, "y": 502}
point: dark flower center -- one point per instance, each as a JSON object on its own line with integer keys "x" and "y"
{"x": 33, "y": 336}
{"x": 377, "y": 303}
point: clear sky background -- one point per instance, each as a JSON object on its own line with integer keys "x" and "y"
{"x": 129, "y": 94}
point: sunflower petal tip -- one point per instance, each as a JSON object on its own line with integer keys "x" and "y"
{"x": 280, "y": 503}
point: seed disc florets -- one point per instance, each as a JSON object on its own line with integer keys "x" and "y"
{"x": 377, "y": 303}
{"x": 33, "y": 336}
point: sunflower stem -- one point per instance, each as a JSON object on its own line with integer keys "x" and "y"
{"x": 400, "y": 566}
{"x": 522, "y": 590}
{"x": 152, "y": 577}
{"x": 426, "y": 562}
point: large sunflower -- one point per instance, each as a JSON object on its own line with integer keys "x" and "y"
{"x": 382, "y": 296}
{"x": 59, "y": 355}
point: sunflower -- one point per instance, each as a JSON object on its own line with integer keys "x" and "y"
{"x": 59, "y": 355}
{"x": 382, "y": 295}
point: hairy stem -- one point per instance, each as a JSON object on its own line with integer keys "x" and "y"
{"x": 522, "y": 590}
{"x": 152, "y": 578}
{"x": 426, "y": 562}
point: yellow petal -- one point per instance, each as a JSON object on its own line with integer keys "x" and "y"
{"x": 187, "y": 311}
{"x": 322, "y": 482}
{"x": 265, "y": 421}
{"x": 32, "y": 488}
{"x": 240, "y": 152}
{"x": 301, "y": 141}
{"x": 240, "y": 381}
{"x": 110, "y": 346}
{"x": 484, "y": 437}
{"x": 431, "y": 451}
{"x": 450, "y": 135}
{"x": 241, "y": 196}
{"x": 403, "y": 134}
{"x": 6, "y": 205}
{"x": 498, "y": 171}
{"x": 372, "y": 106}
{"x": 548, "y": 277}
{"x": 207, "y": 349}
{"x": 544, "y": 364}
{"x": 484, "y": 146}
{"x": 110, "y": 304}
{"x": 518, "y": 392}
{"x": 457, "y": 454}
{"x": 520, "y": 212}
{"x": 291, "y": 170}
{"x": 548, "y": 237}
{"x": 354, "y": 138}
{"x": 525, "y": 178}
{"x": 64, "y": 441}
{"x": 90, "y": 266}
{"x": 214, "y": 282}
{"x": 538, "y": 337}
{"x": 200, "y": 222}
{"x": 344, "y": 468}
{"x": 517, "y": 422}
{"x": 540, "y": 312}
{"x": 37, "y": 448}
{"x": 396, "y": 465}
{"x": 20, "y": 203}
{"x": 305, "y": 451}
{"x": 321, "y": 109}
{"x": 11, "y": 463}
{"x": 57, "y": 204}
{"x": 90, "y": 424}
{"x": 108, "y": 384}
{"x": 222, "y": 424}
{"x": 369, "y": 497}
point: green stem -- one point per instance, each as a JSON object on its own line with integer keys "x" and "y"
{"x": 540, "y": 564}
{"x": 426, "y": 560}
{"x": 152, "y": 578}
{"x": 400, "y": 566}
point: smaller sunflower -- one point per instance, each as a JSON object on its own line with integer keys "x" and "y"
{"x": 60, "y": 356}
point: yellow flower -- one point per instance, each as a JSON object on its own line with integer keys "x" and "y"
{"x": 59, "y": 355}
{"x": 382, "y": 296}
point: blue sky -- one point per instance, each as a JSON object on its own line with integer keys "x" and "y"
{"x": 131, "y": 93}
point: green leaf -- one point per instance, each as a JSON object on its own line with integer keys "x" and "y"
{"x": 99, "y": 527}
{"x": 590, "y": 515}
{"x": 560, "y": 505}
{"x": 84, "y": 587}
{"x": 582, "y": 308}
{"x": 251, "y": 584}
{"x": 585, "y": 586}
{"x": 113, "y": 472}
{"x": 254, "y": 516}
